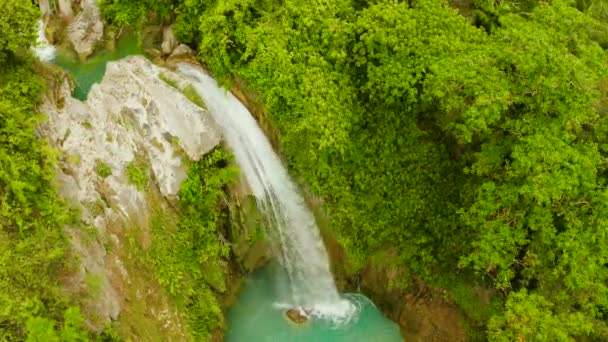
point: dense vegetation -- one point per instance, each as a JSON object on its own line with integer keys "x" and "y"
{"x": 470, "y": 136}
{"x": 474, "y": 141}
{"x": 33, "y": 249}
{"x": 186, "y": 257}
{"x": 186, "y": 254}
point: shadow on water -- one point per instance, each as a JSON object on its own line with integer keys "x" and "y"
{"x": 90, "y": 72}
{"x": 258, "y": 315}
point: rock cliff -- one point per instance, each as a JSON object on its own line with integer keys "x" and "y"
{"x": 131, "y": 116}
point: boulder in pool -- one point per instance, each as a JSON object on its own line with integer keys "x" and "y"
{"x": 296, "y": 315}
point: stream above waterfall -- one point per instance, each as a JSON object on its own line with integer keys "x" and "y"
{"x": 300, "y": 276}
{"x": 91, "y": 72}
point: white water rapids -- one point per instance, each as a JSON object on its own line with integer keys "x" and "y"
{"x": 44, "y": 50}
{"x": 300, "y": 249}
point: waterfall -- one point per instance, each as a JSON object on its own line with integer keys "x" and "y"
{"x": 44, "y": 50}
{"x": 291, "y": 223}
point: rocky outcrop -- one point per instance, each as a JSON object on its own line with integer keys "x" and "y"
{"x": 422, "y": 312}
{"x": 182, "y": 51}
{"x": 249, "y": 245}
{"x": 132, "y": 116}
{"x": 65, "y": 8}
{"x": 45, "y": 7}
{"x": 86, "y": 31}
{"x": 169, "y": 41}
{"x": 133, "y": 111}
{"x": 296, "y": 316}
{"x": 74, "y": 24}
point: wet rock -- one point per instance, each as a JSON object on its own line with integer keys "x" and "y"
{"x": 250, "y": 247}
{"x": 181, "y": 51}
{"x": 86, "y": 31}
{"x": 296, "y": 315}
{"x": 169, "y": 40}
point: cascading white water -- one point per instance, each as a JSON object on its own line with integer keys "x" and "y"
{"x": 300, "y": 249}
{"x": 43, "y": 49}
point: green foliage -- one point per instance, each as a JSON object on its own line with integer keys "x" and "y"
{"x": 110, "y": 334}
{"x": 73, "y": 326}
{"x": 193, "y": 96}
{"x": 530, "y": 316}
{"x": 33, "y": 250}
{"x": 103, "y": 169}
{"x": 138, "y": 173}
{"x": 473, "y": 149}
{"x": 18, "y": 30}
{"x": 188, "y": 253}
{"x": 73, "y": 330}
{"x": 134, "y": 13}
{"x": 41, "y": 329}
{"x": 168, "y": 80}
{"x": 93, "y": 283}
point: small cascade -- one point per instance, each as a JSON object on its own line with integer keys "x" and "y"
{"x": 291, "y": 224}
{"x": 44, "y": 50}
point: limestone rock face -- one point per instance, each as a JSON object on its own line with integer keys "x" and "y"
{"x": 86, "y": 31}
{"x": 132, "y": 112}
{"x": 131, "y": 115}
